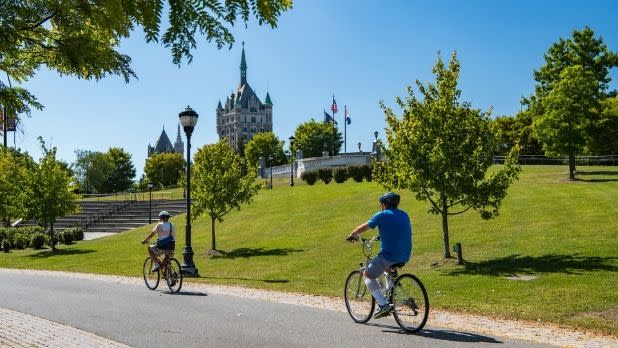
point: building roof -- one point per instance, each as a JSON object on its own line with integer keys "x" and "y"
{"x": 163, "y": 145}
{"x": 268, "y": 101}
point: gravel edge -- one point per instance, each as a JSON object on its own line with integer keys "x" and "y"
{"x": 514, "y": 329}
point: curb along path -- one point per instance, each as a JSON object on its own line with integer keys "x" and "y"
{"x": 521, "y": 330}
{"x": 23, "y": 330}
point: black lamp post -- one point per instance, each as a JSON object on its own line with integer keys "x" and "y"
{"x": 270, "y": 159}
{"x": 375, "y": 134}
{"x": 188, "y": 120}
{"x": 359, "y": 147}
{"x": 291, "y": 139}
{"x": 150, "y": 186}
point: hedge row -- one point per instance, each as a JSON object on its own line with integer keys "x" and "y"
{"x": 357, "y": 172}
{"x": 35, "y": 237}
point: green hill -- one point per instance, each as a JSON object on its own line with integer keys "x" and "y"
{"x": 549, "y": 256}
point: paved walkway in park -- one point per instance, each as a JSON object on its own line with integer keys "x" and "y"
{"x": 23, "y": 330}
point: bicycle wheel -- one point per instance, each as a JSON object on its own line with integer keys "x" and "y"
{"x": 173, "y": 275}
{"x": 411, "y": 303}
{"x": 358, "y": 300}
{"x": 150, "y": 278}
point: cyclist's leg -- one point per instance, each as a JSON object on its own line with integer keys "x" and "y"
{"x": 375, "y": 268}
{"x": 153, "y": 254}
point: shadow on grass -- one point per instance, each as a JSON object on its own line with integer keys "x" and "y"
{"x": 60, "y": 252}
{"x": 445, "y": 335}
{"x": 253, "y": 252}
{"x": 596, "y": 180}
{"x": 550, "y": 263}
{"x": 597, "y": 172}
{"x": 584, "y": 173}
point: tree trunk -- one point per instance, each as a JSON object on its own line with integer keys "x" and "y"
{"x": 447, "y": 251}
{"x": 214, "y": 243}
{"x": 571, "y": 164}
{"x": 52, "y": 237}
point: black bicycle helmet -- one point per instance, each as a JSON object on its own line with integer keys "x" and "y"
{"x": 164, "y": 214}
{"x": 390, "y": 199}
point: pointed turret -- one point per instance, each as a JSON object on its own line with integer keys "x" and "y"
{"x": 268, "y": 101}
{"x": 243, "y": 67}
{"x": 219, "y": 107}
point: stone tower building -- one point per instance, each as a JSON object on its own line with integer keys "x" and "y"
{"x": 243, "y": 114}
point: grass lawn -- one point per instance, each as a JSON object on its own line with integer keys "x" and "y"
{"x": 561, "y": 236}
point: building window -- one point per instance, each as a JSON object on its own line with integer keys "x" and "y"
{"x": 253, "y": 119}
{"x": 244, "y": 129}
{"x": 253, "y": 109}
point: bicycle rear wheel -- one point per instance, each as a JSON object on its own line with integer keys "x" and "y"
{"x": 150, "y": 278}
{"x": 173, "y": 275}
{"x": 411, "y": 303}
{"x": 358, "y": 299}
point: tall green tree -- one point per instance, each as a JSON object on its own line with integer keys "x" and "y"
{"x": 164, "y": 169}
{"x": 605, "y": 129}
{"x": 569, "y": 112}
{"x": 442, "y": 149}
{"x": 312, "y": 137}
{"x": 219, "y": 184}
{"x": 121, "y": 177}
{"x": 15, "y": 169}
{"x": 265, "y": 145}
{"x": 92, "y": 170}
{"x": 50, "y": 192}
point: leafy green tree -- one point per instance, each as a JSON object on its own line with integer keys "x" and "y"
{"x": 311, "y": 137}
{"x": 218, "y": 184}
{"x": 442, "y": 150}
{"x": 605, "y": 129}
{"x": 164, "y": 169}
{"x": 92, "y": 170}
{"x": 15, "y": 168}
{"x": 265, "y": 145}
{"x": 82, "y": 38}
{"x": 121, "y": 177}
{"x": 528, "y": 143}
{"x": 504, "y": 127}
{"x": 50, "y": 192}
{"x": 569, "y": 111}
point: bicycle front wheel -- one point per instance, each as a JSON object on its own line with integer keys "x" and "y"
{"x": 358, "y": 299}
{"x": 173, "y": 275}
{"x": 411, "y": 303}
{"x": 150, "y": 278}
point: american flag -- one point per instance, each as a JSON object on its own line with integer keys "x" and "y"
{"x": 333, "y": 107}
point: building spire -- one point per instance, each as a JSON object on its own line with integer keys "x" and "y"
{"x": 243, "y": 66}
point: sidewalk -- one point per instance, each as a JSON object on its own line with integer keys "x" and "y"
{"x": 22, "y": 330}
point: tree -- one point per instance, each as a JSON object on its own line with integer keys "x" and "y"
{"x": 92, "y": 171}
{"x": 265, "y": 145}
{"x": 528, "y": 144}
{"x": 507, "y": 136}
{"x": 605, "y": 129}
{"x": 82, "y": 38}
{"x": 121, "y": 177}
{"x": 442, "y": 150}
{"x": 219, "y": 185}
{"x": 50, "y": 192}
{"x": 15, "y": 168}
{"x": 311, "y": 137}
{"x": 569, "y": 111}
{"x": 164, "y": 168}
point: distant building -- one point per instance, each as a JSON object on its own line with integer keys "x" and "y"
{"x": 164, "y": 145}
{"x": 244, "y": 114}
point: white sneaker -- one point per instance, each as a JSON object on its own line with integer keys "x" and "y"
{"x": 155, "y": 267}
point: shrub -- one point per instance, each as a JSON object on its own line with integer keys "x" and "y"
{"x": 76, "y": 232}
{"x": 6, "y": 245}
{"x": 29, "y": 230}
{"x": 366, "y": 170}
{"x": 340, "y": 174}
{"x": 325, "y": 174}
{"x": 66, "y": 237}
{"x": 20, "y": 240}
{"x": 309, "y": 177}
{"x": 356, "y": 172}
{"x": 38, "y": 240}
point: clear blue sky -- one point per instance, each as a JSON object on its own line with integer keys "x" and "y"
{"x": 362, "y": 51}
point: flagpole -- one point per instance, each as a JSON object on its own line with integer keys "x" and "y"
{"x": 345, "y": 126}
{"x": 334, "y": 131}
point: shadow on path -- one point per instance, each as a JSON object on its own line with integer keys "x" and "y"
{"x": 445, "y": 335}
{"x": 253, "y": 252}
{"x": 550, "y": 263}
{"x": 190, "y": 293}
{"x": 60, "y": 252}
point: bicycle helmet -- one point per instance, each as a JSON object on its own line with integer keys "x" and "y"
{"x": 164, "y": 214}
{"x": 390, "y": 199}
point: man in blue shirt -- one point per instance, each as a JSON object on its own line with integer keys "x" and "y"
{"x": 395, "y": 231}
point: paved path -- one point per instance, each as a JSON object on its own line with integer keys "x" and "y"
{"x": 125, "y": 311}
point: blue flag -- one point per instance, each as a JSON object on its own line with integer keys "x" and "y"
{"x": 328, "y": 118}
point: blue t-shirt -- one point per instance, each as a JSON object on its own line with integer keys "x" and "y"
{"x": 395, "y": 234}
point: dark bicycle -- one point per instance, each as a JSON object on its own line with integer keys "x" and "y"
{"x": 405, "y": 292}
{"x": 170, "y": 270}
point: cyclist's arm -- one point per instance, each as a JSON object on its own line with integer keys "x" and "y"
{"x": 154, "y": 230}
{"x": 359, "y": 230}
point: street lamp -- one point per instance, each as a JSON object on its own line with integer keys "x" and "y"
{"x": 375, "y": 134}
{"x": 359, "y": 147}
{"x": 291, "y": 139}
{"x": 150, "y": 186}
{"x": 188, "y": 120}
{"x": 270, "y": 159}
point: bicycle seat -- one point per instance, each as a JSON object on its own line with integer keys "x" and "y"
{"x": 398, "y": 265}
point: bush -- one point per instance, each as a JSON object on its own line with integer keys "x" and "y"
{"x": 366, "y": 170}
{"x": 29, "y": 230}
{"x": 76, "y": 232}
{"x": 6, "y": 245}
{"x": 20, "y": 240}
{"x": 38, "y": 240}
{"x": 340, "y": 174}
{"x": 66, "y": 237}
{"x": 309, "y": 177}
{"x": 325, "y": 174}
{"x": 356, "y": 172}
